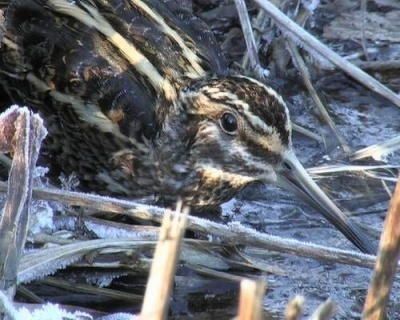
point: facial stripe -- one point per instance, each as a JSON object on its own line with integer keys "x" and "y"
{"x": 266, "y": 147}
{"x": 258, "y": 115}
{"x": 269, "y": 90}
{"x": 273, "y": 101}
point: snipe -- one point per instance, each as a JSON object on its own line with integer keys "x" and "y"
{"x": 139, "y": 102}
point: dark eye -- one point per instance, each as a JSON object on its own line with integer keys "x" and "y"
{"x": 229, "y": 123}
{"x": 287, "y": 166}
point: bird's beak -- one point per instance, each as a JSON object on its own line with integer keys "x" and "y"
{"x": 292, "y": 176}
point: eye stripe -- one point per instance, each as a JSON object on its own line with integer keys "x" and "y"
{"x": 262, "y": 108}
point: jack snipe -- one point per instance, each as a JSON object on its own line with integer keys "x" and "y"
{"x": 139, "y": 102}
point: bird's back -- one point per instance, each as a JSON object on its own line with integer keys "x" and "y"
{"x": 104, "y": 75}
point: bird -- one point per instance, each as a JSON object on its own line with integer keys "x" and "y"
{"x": 140, "y": 103}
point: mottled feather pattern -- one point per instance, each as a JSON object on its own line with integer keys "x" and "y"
{"x": 139, "y": 103}
{"x": 265, "y": 103}
{"x": 264, "y": 124}
{"x": 83, "y": 62}
{"x": 112, "y": 78}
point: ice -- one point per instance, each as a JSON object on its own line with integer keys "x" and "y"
{"x": 228, "y": 208}
{"x": 41, "y": 266}
{"x": 110, "y": 232}
{"x": 311, "y": 5}
{"x": 41, "y": 217}
{"x": 46, "y": 312}
{"x": 119, "y": 316}
{"x": 102, "y": 279}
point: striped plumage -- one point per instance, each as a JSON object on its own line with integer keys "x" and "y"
{"x": 139, "y": 102}
{"x": 71, "y": 55}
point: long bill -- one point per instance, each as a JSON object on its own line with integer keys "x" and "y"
{"x": 293, "y": 177}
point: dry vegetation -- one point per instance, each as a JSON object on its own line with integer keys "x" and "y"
{"x": 104, "y": 239}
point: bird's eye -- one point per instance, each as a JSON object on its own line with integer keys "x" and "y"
{"x": 287, "y": 166}
{"x": 229, "y": 123}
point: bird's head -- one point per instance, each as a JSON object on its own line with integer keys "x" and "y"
{"x": 239, "y": 131}
{"x": 238, "y": 127}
